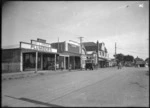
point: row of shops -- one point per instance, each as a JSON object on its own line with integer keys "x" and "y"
{"x": 39, "y": 55}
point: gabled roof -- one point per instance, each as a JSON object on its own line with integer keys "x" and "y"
{"x": 90, "y": 46}
{"x": 100, "y": 47}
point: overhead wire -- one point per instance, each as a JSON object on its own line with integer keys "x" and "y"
{"x": 132, "y": 51}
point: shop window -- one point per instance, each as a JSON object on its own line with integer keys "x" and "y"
{"x": 29, "y": 60}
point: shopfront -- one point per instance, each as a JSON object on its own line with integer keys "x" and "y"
{"x": 70, "y": 54}
{"x": 38, "y": 56}
{"x": 63, "y": 61}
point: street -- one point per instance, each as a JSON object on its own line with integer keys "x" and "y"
{"x": 128, "y": 86}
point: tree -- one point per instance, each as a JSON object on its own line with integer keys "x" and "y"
{"x": 128, "y": 58}
{"x": 119, "y": 57}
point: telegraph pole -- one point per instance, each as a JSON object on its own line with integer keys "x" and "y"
{"x": 58, "y": 46}
{"x": 81, "y": 49}
{"x": 115, "y": 49}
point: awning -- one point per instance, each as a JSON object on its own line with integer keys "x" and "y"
{"x": 100, "y": 59}
{"x": 103, "y": 59}
{"x": 32, "y": 50}
{"x": 69, "y": 54}
{"x": 65, "y": 55}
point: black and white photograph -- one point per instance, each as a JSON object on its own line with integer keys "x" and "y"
{"x": 75, "y": 54}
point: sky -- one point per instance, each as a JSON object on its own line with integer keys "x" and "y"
{"x": 125, "y": 23}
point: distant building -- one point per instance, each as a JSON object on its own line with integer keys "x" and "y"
{"x": 98, "y": 52}
{"x": 139, "y": 62}
{"x": 91, "y": 52}
{"x": 112, "y": 62}
{"x": 103, "y": 56}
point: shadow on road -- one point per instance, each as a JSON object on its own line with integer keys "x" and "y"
{"x": 35, "y": 101}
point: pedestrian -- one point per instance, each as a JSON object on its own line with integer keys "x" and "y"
{"x": 70, "y": 67}
{"x": 119, "y": 65}
{"x": 62, "y": 66}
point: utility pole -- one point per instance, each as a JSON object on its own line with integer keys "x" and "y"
{"x": 58, "y": 46}
{"x": 81, "y": 49}
{"x": 81, "y": 43}
{"x": 115, "y": 48}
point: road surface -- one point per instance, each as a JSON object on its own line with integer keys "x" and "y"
{"x": 128, "y": 86}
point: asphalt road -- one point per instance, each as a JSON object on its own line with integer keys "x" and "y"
{"x": 103, "y": 87}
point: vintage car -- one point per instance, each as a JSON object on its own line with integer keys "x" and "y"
{"x": 89, "y": 64}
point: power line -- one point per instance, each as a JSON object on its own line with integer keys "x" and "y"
{"x": 131, "y": 51}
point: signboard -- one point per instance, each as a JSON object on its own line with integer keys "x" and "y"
{"x": 41, "y": 40}
{"x": 37, "y": 47}
{"x": 39, "y": 43}
{"x": 41, "y": 48}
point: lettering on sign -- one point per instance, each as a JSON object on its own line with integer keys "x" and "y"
{"x": 42, "y": 44}
{"x": 41, "y": 48}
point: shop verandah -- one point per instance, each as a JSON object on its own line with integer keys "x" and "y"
{"x": 36, "y": 56}
{"x": 67, "y": 60}
{"x": 49, "y": 61}
{"x": 45, "y": 61}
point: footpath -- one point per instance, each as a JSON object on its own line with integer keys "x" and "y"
{"x": 24, "y": 74}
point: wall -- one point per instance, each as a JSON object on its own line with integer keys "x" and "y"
{"x": 73, "y": 48}
{"x": 10, "y": 60}
{"x": 61, "y": 46}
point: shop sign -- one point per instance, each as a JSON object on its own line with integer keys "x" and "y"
{"x": 41, "y": 44}
{"x": 41, "y": 40}
{"x": 38, "y": 47}
{"x": 41, "y": 48}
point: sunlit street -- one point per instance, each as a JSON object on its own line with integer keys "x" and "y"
{"x": 128, "y": 86}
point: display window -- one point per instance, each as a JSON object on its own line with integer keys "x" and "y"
{"x": 29, "y": 61}
{"x": 48, "y": 62}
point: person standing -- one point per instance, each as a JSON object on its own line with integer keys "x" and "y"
{"x": 119, "y": 65}
{"x": 62, "y": 66}
{"x": 70, "y": 66}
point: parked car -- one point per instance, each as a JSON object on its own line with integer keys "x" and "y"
{"x": 89, "y": 64}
